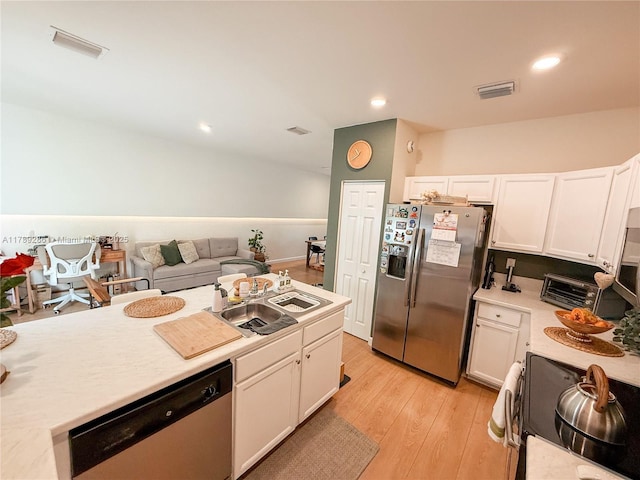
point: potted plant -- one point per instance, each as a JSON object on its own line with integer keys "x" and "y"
{"x": 256, "y": 246}
{"x": 7, "y": 284}
{"x": 627, "y": 332}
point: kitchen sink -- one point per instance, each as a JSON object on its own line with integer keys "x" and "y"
{"x": 281, "y": 310}
{"x": 259, "y": 313}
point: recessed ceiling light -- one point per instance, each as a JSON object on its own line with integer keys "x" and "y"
{"x": 545, "y": 63}
{"x": 378, "y": 102}
{"x": 205, "y": 127}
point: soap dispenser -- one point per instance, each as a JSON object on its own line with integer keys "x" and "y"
{"x": 280, "y": 281}
{"x": 217, "y": 299}
{"x": 287, "y": 280}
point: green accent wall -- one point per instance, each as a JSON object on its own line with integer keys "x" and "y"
{"x": 381, "y": 136}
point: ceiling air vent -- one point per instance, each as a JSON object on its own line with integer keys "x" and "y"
{"x": 298, "y": 130}
{"x": 496, "y": 90}
{"x": 77, "y": 44}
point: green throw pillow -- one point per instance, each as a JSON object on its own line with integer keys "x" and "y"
{"x": 171, "y": 253}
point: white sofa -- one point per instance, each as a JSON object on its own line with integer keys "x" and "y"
{"x": 204, "y": 271}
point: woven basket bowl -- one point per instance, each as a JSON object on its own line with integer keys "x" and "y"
{"x": 581, "y": 327}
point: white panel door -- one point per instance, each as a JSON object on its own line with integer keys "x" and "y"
{"x": 357, "y": 255}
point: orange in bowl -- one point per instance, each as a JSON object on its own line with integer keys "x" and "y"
{"x": 586, "y": 322}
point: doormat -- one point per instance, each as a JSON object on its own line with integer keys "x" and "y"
{"x": 325, "y": 447}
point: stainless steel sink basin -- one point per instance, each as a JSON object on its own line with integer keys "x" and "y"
{"x": 237, "y": 316}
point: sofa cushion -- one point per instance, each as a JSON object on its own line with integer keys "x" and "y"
{"x": 202, "y": 247}
{"x": 204, "y": 265}
{"x": 171, "y": 253}
{"x": 141, "y": 245}
{"x": 188, "y": 252}
{"x": 152, "y": 255}
{"x": 223, "y": 247}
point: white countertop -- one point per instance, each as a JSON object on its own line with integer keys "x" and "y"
{"x": 69, "y": 369}
{"x": 546, "y": 460}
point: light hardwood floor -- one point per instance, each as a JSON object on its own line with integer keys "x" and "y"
{"x": 425, "y": 428}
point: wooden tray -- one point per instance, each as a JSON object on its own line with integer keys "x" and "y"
{"x": 198, "y": 333}
{"x": 261, "y": 282}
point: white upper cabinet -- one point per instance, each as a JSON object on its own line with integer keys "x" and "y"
{"x": 415, "y": 186}
{"x": 577, "y": 213}
{"x": 477, "y": 188}
{"x": 615, "y": 216}
{"x": 521, "y": 212}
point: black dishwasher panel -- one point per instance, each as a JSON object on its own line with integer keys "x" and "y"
{"x": 110, "y": 434}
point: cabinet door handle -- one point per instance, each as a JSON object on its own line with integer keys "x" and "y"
{"x": 298, "y": 361}
{"x": 493, "y": 242}
{"x": 590, "y": 255}
{"x": 308, "y": 355}
{"x": 497, "y": 315}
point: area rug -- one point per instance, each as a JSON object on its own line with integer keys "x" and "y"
{"x": 326, "y": 447}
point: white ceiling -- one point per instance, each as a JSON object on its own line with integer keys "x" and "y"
{"x": 253, "y": 69}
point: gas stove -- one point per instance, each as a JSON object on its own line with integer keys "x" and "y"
{"x": 544, "y": 381}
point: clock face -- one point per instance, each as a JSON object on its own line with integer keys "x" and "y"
{"x": 359, "y": 154}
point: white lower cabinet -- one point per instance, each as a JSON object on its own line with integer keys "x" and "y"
{"x": 500, "y": 337}
{"x": 320, "y": 377}
{"x": 280, "y": 384}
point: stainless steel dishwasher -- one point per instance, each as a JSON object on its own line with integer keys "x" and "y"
{"x": 180, "y": 432}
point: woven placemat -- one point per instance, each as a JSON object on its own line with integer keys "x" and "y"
{"x": 597, "y": 345}
{"x": 7, "y": 337}
{"x": 154, "y": 306}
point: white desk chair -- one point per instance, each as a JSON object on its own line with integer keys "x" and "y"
{"x": 231, "y": 277}
{"x": 131, "y": 296}
{"x": 69, "y": 262}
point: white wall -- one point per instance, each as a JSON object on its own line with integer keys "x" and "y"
{"x": 65, "y": 177}
{"x": 558, "y": 144}
{"x": 403, "y": 161}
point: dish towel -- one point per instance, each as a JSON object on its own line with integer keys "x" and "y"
{"x": 496, "y": 424}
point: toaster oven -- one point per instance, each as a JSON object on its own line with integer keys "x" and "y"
{"x": 572, "y": 293}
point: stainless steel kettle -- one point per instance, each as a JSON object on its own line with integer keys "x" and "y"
{"x": 590, "y": 408}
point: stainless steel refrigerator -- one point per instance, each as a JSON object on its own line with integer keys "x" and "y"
{"x": 430, "y": 267}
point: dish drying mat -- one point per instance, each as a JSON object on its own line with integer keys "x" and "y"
{"x": 154, "y": 306}
{"x": 7, "y": 337}
{"x": 597, "y": 345}
{"x": 263, "y": 328}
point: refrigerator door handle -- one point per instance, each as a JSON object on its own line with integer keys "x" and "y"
{"x": 415, "y": 260}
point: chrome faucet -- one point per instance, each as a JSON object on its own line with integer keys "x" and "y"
{"x": 254, "y": 288}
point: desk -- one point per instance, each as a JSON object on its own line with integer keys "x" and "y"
{"x": 317, "y": 243}
{"x": 118, "y": 257}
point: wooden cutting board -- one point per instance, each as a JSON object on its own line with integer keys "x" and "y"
{"x": 196, "y": 334}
